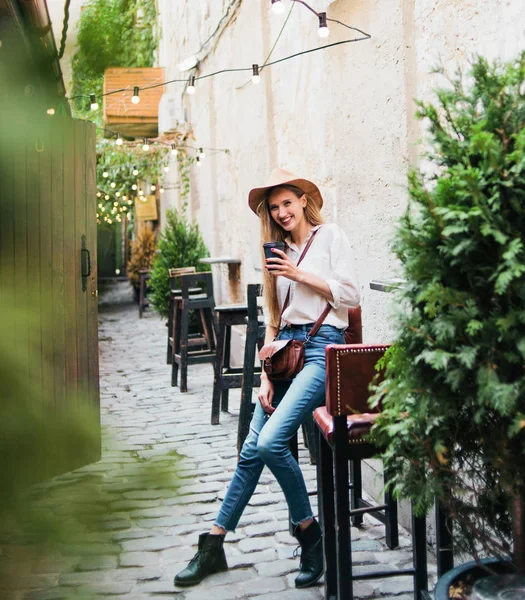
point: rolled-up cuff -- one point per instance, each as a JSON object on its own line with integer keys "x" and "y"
{"x": 334, "y": 288}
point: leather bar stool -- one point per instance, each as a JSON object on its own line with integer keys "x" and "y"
{"x": 343, "y": 428}
{"x": 203, "y": 303}
{"x": 226, "y": 377}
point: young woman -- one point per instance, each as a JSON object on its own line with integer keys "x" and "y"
{"x": 289, "y": 209}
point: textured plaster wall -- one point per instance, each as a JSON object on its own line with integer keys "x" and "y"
{"x": 342, "y": 116}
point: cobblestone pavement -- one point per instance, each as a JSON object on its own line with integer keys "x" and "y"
{"x": 151, "y": 522}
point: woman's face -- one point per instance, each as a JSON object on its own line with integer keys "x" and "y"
{"x": 286, "y": 209}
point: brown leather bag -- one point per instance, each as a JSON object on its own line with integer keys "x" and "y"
{"x": 283, "y": 359}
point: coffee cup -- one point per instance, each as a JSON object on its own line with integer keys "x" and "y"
{"x": 268, "y": 249}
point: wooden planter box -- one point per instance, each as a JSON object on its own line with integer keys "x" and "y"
{"x": 120, "y": 114}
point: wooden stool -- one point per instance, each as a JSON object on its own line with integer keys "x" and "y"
{"x": 343, "y": 428}
{"x": 226, "y": 376}
{"x": 203, "y": 304}
{"x": 175, "y": 292}
{"x": 144, "y": 276}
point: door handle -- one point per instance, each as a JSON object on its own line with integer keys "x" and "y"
{"x": 85, "y": 263}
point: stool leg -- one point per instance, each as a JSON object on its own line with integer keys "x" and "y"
{"x": 176, "y": 328}
{"x": 219, "y": 357}
{"x": 226, "y": 365}
{"x": 325, "y": 498}
{"x": 309, "y": 437}
{"x": 342, "y": 510}
{"x": 207, "y": 326}
{"x": 392, "y": 528}
{"x": 184, "y": 349}
{"x": 141, "y": 297}
{"x": 170, "y": 332}
{"x": 419, "y": 552}
{"x": 357, "y": 490}
{"x": 247, "y": 385}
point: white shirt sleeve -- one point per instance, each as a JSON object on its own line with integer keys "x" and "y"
{"x": 343, "y": 281}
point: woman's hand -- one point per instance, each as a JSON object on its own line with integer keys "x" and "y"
{"x": 266, "y": 395}
{"x": 282, "y": 265}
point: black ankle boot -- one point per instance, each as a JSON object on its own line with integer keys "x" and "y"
{"x": 311, "y": 567}
{"x": 209, "y": 559}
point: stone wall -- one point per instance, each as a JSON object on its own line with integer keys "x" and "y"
{"x": 342, "y": 116}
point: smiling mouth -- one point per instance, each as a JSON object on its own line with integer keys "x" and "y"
{"x": 286, "y": 221}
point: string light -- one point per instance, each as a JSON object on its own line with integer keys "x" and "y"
{"x": 106, "y": 197}
{"x": 153, "y": 188}
{"x": 199, "y": 162}
{"x": 51, "y": 111}
{"x": 134, "y": 186}
{"x": 323, "y": 27}
{"x": 93, "y": 104}
{"x": 119, "y": 140}
{"x": 166, "y": 169}
{"x": 135, "y": 171}
{"x": 105, "y": 174}
{"x": 202, "y": 154}
{"x": 130, "y": 202}
{"x": 124, "y": 198}
{"x": 112, "y": 184}
{"x": 191, "y": 85}
{"x": 141, "y": 193}
{"x": 117, "y": 194}
{"x": 135, "y": 98}
{"x": 277, "y": 7}
{"x": 145, "y": 145}
{"x": 256, "y": 78}
{"x": 99, "y": 194}
{"x": 173, "y": 149}
{"x": 161, "y": 190}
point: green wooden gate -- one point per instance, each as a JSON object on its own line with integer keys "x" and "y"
{"x": 48, "y": 267}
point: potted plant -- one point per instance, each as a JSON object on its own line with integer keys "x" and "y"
{"x": 142, "y": 253}
{"x": 180, "y": 245}
{"x": 456, "y": 371}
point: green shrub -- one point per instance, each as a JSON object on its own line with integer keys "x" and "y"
{"x": 456, "y": 368}
{"x": 180, "y": 245}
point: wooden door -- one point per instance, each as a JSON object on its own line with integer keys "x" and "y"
{"x": 48, "y": 282}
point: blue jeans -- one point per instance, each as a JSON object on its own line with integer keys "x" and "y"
{"x": 267, "y": 442}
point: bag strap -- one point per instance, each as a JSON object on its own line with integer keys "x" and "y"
{"x": 285, "y": 305}
{"x": 328, "y": 307}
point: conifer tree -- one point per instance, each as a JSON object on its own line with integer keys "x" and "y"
{"x": 456, "y": 370}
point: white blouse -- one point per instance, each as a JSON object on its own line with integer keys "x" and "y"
{"x": 330, "y": 257}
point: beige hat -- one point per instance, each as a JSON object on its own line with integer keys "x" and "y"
{"x": 280, "y": 177}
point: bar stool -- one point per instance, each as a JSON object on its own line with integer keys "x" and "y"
{"x": 203, "y": 303}
{"x": 144, "y": 276}
{"x": 226, "y": 377}
{"x": 343, "y": 427}
{"x": 175, "y": 292}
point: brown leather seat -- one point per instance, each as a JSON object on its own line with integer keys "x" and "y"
{"x": 343, "y": 426}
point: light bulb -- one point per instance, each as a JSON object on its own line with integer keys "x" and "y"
{"x": 115, "y": 203}
{"x": 134, "y": 186}
{"x": 145, "y": 145}
{"x": 99, "y": 194}
{"x": 119, "y": 140}
{"x": 173, "y": 149}
{"x": 117, "y": 194}
{"x": 93, "y": 102}
{"x": 256, "y": 78}
{"x": 135, "y": 98}
{"x": 199, "y": 163}
{"x": 153, "y": 188}
{"x": 323, "y": 27}
{"x": 135, "y": 171}
{"x": 130, "y": 202}
{"x": 105, "y": 174}
{"x": 277, "y": 7}
{"x": 102, "y": 208}
{"x": 191, "y": 85}
{"x": 106, "y": 197}
{"x": 161, "y": 190}
{"x": 112, "y": 184}
{"x": 124, "y": 198}
{"x": 202, "y": 154}
{"x": 50, "y": 111}
{"x": 166, "y": 169}
{"x": 141, "y": 193}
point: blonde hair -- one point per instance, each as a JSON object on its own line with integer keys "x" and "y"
{"x": 272, "y": 232}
